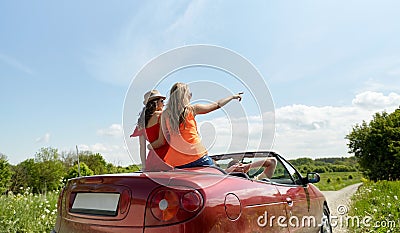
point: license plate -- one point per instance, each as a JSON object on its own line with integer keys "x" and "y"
{"x": 96, "y": 204}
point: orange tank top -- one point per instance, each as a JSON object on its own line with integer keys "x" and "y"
{"x": 184, "y": 147}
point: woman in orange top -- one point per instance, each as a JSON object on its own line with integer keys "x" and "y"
{"x": 186, "y": 149}
{"x": 148, "y": 128}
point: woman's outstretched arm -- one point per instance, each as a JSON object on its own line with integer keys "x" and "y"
{"x": 206, "y": 108}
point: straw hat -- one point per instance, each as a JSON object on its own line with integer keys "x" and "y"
{"x": 151, "y": 95}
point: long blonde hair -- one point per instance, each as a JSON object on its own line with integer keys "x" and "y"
{"x": 178, "y": 102}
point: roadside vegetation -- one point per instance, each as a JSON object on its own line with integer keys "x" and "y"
{"x": 376, "y": 207}
{"x": 29, "y": 190}
{"x": 376, "y": 145}
{"x": 27, "y": 212}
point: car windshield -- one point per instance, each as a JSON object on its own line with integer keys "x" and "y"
{"x": 249, "y": 163}
{"x": 265, "y": 166}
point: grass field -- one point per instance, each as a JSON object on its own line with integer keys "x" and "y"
{"x": 27, "y": 212}
{"x": 377, "y": 207}
{"x": 332, "y": 181}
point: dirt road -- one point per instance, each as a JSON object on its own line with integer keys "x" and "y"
{"x": 339, "y": 203}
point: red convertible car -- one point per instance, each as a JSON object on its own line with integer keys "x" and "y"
{"x": 198, "y": 200}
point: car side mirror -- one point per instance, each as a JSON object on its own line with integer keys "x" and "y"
{"x": 313, "y": 177}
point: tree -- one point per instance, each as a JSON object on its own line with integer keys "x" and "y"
{"x": 377, "y": 146}
{"x": 68, "y": 159}
{"x": 95, "y": 162}
{"x": 44, "y": 173}
{"x": 84, "y": 171}
{"x": 25, "y": 175}
{"x": 5, "y": 174}
{"x": 50, "y": 169}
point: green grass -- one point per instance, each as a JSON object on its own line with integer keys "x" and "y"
{"x": 332, "y": 181}
{"x": 379, "y": 202}
{"x": 27, "y": 212}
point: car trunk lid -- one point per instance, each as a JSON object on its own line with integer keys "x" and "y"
{"x": 107, "y": 199}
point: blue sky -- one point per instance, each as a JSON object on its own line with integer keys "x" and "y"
{"x": 66, "y": 66}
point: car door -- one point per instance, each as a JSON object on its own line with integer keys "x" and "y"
{"x": 299, "y": 206}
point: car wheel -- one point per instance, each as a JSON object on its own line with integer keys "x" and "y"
{"x": 326, "y": 221}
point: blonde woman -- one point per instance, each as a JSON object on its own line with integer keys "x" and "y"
{"x": 186, "y": 149}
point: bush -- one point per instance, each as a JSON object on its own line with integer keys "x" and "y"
{"x": 320, "y": 169}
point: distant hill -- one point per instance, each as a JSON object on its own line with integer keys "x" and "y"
{"x": 321, "y": 165}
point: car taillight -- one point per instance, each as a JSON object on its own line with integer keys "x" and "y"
{"x": 191, "y": 201}
{"x": 165, "y": 205}
{"x": 169, "y": 205}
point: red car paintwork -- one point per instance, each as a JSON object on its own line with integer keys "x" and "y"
{"x": 228, "y": 203}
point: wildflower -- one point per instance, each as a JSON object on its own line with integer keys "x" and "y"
{"x": 375, "y": 210}
{"x": 395, "y": 197}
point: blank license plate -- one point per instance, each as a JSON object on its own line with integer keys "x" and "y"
{"x": 96, "y": 203}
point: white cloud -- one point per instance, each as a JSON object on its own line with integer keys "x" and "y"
{"x": 320, "y": 131}
{"x": 43, "y": 139}
{"x": 374, "y": 100}
{"x": 114, "y": 130}
{"x": 300, "y": 130}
